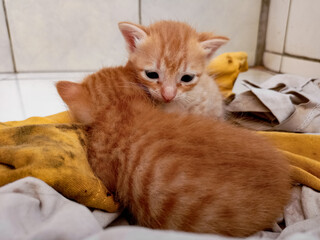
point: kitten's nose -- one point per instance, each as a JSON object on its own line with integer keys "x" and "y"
{"x": 168, "y": 93}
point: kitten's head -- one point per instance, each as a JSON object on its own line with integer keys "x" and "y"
{"x": 169, "y": 56}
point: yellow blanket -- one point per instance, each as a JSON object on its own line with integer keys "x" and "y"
{"x": 303, "y": 152}
{"x": 53, "y": 150}
{"x": 225, "y": 69}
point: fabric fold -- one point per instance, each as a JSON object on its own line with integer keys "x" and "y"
{"x": 282, "y": 103}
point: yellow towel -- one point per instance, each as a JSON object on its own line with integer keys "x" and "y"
{"x": 225, "y": 69}
{"x": 53, "y": 150}
{"x": 303, "y": 152}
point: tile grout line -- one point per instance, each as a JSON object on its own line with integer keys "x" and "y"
{"x": 139, "y": 11}
{"x": 9, "y": 36}
{"x": 262, "y": 32}
{"x": 20, "y": 97}
{"x": 294, "y": 56}
{"x": 285, "y": 36}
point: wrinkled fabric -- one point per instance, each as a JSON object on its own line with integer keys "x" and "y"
{"x": 301, "y": 218}
{"x": 283, "y": 103}
{"x": 31, "y": 210}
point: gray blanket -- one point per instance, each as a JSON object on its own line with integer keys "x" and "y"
{"x": 30, "y": 209}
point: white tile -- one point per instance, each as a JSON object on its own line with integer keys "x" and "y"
{"x": 40, "y": 97}
{"x": 303, "y": 36}
{"x": 11, "y": 108}
{"x": 35, "y": 91}
{"x": 73, "y": 35}
{"x": 39, "y": 94}
{"x": 5, "y": 51}
{"x": 300, "y": 67}
{"x": 77, "y": 76}
{"x": 277, "y": 23}
{"x": 272, "y": 61}
{"x": 7, "y": 76}
{"x": 256, "y": 75}
{"x": 237, "y": 20}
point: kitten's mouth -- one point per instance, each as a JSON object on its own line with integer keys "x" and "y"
{"x": 167, "y": 101}
{"x": 160, "y": 99}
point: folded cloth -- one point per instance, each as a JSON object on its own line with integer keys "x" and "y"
{"x": 30, "y": 209}
{"x": 55, "y": 153}
{"x": 283, "y": 102}
{"x": 304, "y": 204}
{"x": 225, "y": 69}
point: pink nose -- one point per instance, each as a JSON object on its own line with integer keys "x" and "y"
{"x": 168, "y": 93}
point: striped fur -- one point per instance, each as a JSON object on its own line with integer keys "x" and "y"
{"x": 176, "y": 171}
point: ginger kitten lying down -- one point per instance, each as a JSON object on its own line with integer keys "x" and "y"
{"x": 170, "y": 170}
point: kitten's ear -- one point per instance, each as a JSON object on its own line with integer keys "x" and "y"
{"x": 133, "y": 34}
{"x": 211, "y": 45}
{"x": 77, "y": 99}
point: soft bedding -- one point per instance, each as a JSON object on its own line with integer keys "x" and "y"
{"x": 31, "y": 209}
{"x": 54, "y": 152}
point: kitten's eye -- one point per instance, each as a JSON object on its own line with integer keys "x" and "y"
{"x": 187, "y": 78}
{"x": 152, "y": 75}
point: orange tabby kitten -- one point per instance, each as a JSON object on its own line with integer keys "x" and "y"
{"x": 170, "y": 170}
{"x": 170, "y": 60}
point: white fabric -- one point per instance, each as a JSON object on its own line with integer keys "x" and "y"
{"x": 32, "y": 210}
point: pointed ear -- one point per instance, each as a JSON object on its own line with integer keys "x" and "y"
{"x": 133, "y": 34}
{"x": 77, "y": 99}
{"x": 212, "y": 45}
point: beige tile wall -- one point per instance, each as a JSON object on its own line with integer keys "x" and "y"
{"x": 6, "y": 64}
{"x": 293, "y": 37}
{"x": 303, "y": 34}
{"x": 82, "y": 35}
{"x": 277, "y": 24}
{"x": 73, "y": 35}
{"x": 238, "y": 20}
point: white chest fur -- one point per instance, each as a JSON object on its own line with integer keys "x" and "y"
{"x": 204, "y": 99}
